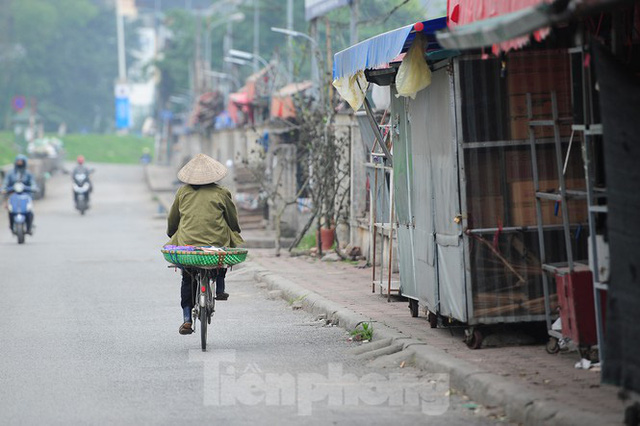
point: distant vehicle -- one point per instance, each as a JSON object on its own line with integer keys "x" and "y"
{"x": 20, "y": 210}
{"x": 81, "y": 190}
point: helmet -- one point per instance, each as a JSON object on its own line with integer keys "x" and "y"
{"x": 20, "y": 162}
{"x": 80, "y": 159}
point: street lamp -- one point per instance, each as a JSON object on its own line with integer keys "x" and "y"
{"x": 315, "y": 74}
{"x": 248, "y": 56}
{"x": 236, "y": 61}
{"x": 293, "y": 33}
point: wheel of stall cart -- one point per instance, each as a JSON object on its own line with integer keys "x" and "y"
{"x": 474, "y": 339}
{"x": 433, "y": 320}
{"x": 413, "y": 307}
{"x": 553, "y": 347}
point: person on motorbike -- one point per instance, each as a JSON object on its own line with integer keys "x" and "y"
{"x": 202, "y": 214}
{"x": 79, "y": 169}
{"x": 20, "y": 174}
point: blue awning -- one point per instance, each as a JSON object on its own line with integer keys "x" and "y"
{"x": 381, "y": 49}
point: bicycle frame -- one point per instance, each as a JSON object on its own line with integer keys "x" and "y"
{"x": 202, "y": 297}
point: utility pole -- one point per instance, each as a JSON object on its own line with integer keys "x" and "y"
{"x": 198, "y": 61}
{"x": 353, "y": 23}
{"x": 256, "y": 34}
{"x": 227, "y": 67}
{"x": 290, "y": 38}
{"x": 122, "y": 65}
{"x": 315, "y": 54}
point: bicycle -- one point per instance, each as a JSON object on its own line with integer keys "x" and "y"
{"x": 204, "y": 303}
{"x": 201, "y": 264}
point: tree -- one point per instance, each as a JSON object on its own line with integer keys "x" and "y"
{"x": 177, "y": 56}
{"x": 69, "y": 61}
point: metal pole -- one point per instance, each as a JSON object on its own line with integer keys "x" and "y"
{"x": 390, "y": 243}
{"x": 329, "y": 57}
{"x": 197, "y": 69}
{"x": 256, "y": 34}
{"x": 315, "y": 52}
{"x": 374, "y": 209}
{"x": 226, "y": 66}
{"x": 536, "y": 188}
{"x": 353, "y": 23}
{"x": 122, "y": 65}
{"x": 290, "y": 38}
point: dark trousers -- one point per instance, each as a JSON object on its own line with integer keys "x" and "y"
{"x": 188, "y": 290}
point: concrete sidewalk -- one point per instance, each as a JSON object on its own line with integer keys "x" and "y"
{"x": 533, "y": 386}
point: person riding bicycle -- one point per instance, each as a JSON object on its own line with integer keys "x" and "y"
{"x": 20, "y": 174}
{"x": 202, "y": 214}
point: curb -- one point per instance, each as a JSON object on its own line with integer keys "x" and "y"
{"x": 520, "y": 405}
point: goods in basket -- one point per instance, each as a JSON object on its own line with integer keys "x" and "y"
{"x": 203, "y": 256}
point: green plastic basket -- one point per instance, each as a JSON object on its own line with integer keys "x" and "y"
{"x": 200, "y": 258}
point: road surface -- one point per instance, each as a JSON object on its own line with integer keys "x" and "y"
{"x": 90, "y": 315}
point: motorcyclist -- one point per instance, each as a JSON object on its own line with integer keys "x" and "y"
{"x": 20, "y": 174}
{"x": 80, "y": 168}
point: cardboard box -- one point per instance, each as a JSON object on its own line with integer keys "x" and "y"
{"x": 541, "y": 105}
{"x": 485, "y": 212}
{"x": 538, "y": 72}
{"x": 524, "y": 214}
{"x": 519, "y": 168}
{"x": 544, "y": 83}
{"x": 483, "y": 173}
{"x": 519, "y": 129}
{"x": 523, "y": 192}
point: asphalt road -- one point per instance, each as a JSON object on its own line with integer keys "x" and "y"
{"x": 90, "y": 315}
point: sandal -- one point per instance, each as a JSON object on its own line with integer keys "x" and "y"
{"x": 185, "y": 328}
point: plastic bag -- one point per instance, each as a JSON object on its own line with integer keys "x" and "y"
{"x": 414, "y": 73}
{"x": 352, "y": 89}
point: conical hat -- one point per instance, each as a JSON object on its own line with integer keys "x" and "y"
{"x": 202, "y": 170}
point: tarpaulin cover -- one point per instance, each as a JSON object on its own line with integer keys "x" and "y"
{"x": 282, "y": 104}
{"x": 403, "y": 198}
{"x": 381, "y": 49}
{"x": 619, "y": 106}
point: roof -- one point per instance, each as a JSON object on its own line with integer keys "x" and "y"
{"x": 293, "y": 88}
{"x": 383, "y": 48}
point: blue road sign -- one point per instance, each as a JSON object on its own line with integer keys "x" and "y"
{"x": 123, "y": 113}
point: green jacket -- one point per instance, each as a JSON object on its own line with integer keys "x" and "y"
{"x": 204, "y": 216}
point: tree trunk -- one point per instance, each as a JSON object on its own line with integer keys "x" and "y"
{"x": 278, "y": 232}
{"x": 303, "y": 232}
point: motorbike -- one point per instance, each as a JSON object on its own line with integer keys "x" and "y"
{"x": 20, "y": 207}
{"x": 81, "y": 190}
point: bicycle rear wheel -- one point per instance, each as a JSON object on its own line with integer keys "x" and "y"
{"x": 203, "y": 295}
{"x": 203, "y": 327}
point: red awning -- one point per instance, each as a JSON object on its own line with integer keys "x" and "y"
{"x": 463, "y": 12}
{"x": 240, "y": 98}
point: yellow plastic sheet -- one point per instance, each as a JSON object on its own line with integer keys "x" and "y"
{"x": 414, "y": 73}
{"x": 352, "y": 89}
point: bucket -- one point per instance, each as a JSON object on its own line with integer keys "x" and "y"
{"x": 328, "y": 236}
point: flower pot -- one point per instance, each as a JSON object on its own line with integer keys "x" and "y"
{"x": 328, "y": 235}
